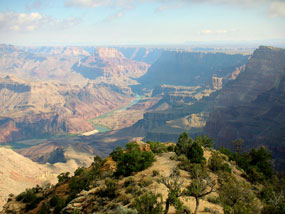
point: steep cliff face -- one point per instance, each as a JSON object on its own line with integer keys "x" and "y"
{"x": 190, "y": 69}
{"x": 262, "y": 73}
{"x": 32, "y": 126}
{"x": 253, "y": 106}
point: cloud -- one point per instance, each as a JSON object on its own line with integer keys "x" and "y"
{"x": 277, "y": 8}
{"x": 37, "y": 4}
{"x": 27, "y": 22}
{"x": 114, "y": 16}
{"x": 165, "y": 7}
{"x": 99, "y": 3}
{"x": 242, "y": 3}
{"x": 216, "y": 32}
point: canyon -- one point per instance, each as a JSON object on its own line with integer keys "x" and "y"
{"x": 63, "y": 105}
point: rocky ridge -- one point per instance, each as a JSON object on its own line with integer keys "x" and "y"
{"x": 109, "y": 195}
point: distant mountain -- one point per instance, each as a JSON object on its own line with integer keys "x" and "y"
{"x": 111, "y": 66}
{"x": 182, "y": 68}
{"x": 147, "y": 55}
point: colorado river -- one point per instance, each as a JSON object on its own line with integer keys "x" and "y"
{"x": 100, "y": 128}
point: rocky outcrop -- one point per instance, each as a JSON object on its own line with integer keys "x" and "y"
{"x": 217, "y": 83}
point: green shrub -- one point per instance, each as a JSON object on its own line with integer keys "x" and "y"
{"x": 216, "y": 163}
{"x": 133, "y": 160}
{"x": 207, "y": 209}
{"x": 145, "y": 181}
{"x": 237, "y": 197}
{"x": 257, "y": 163}
{"x": 30, "y": 198}
{"x": 54, "y": 201}
{"x": 109, "y": 190}
{"x": 61, "y": 203}
{"x": 134, "y": 190}
{"x": 79, "y": 171}
{"x": 157, "y": 147}
{"x": 125, "y": 198}
{"x": 129, "y": 182}
{"x": 205, "y": 141}
{"x": 149, "y": 203}
{"x": 183, "y": 144}
{"x": 155, "y": 173}
{"x": 27, "y": 196}
{"x": 213, "y": 199}
{"x": 44, "y": 209}
{"x": 63, "y": 177}
{"x": 125, "y": 210}
{"x": 171, "y": 148}
{"x": 195, "y": 153}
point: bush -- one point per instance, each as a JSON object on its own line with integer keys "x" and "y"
{"x": 205, "y": 141}
{"x": 61, "y": 203}
{"x": 213, "y": 199}
{"x": 63, "y": 177}
{"x": 29, "y": 198}
{"x": 171, "y": 148}
{"x": 133, "y": 160}
{"x": 79, "y": 171}
{"x": 237, "y": 197}
{"x": 183, "y": 144}
{"x": 157, "y": 147}
{"x": 125, "y": 210}
{"x": 149, "y": 203}
{"x": 195, "y": 153}
{"x": 145, "y": 181}
{"x": 44, "y": 209}
{"x": 109, "y": 190}
{"x": 134, "y": 190}
{"x": 125, "y": 198}
{"x": 257, "y": 163}
{"x": 129, "y": 182}
{"x": 54, "y": 201}
{"x": 155, "y": 173}
{"x": 216, "y": 163}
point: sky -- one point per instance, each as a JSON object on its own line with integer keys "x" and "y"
{"x": 139, "y": 22}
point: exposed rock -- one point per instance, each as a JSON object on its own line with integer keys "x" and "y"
{"x": 18, "y": 173}
{"x": 145, "y": 147}
{"x": 189, "y": 68}
{"x": 253, "y": 106}
{"x": 35, "y": 109}
{"x": 148, "y": 55}
{"x": 110, "y": 65}
{"x": 217, "y": 83}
